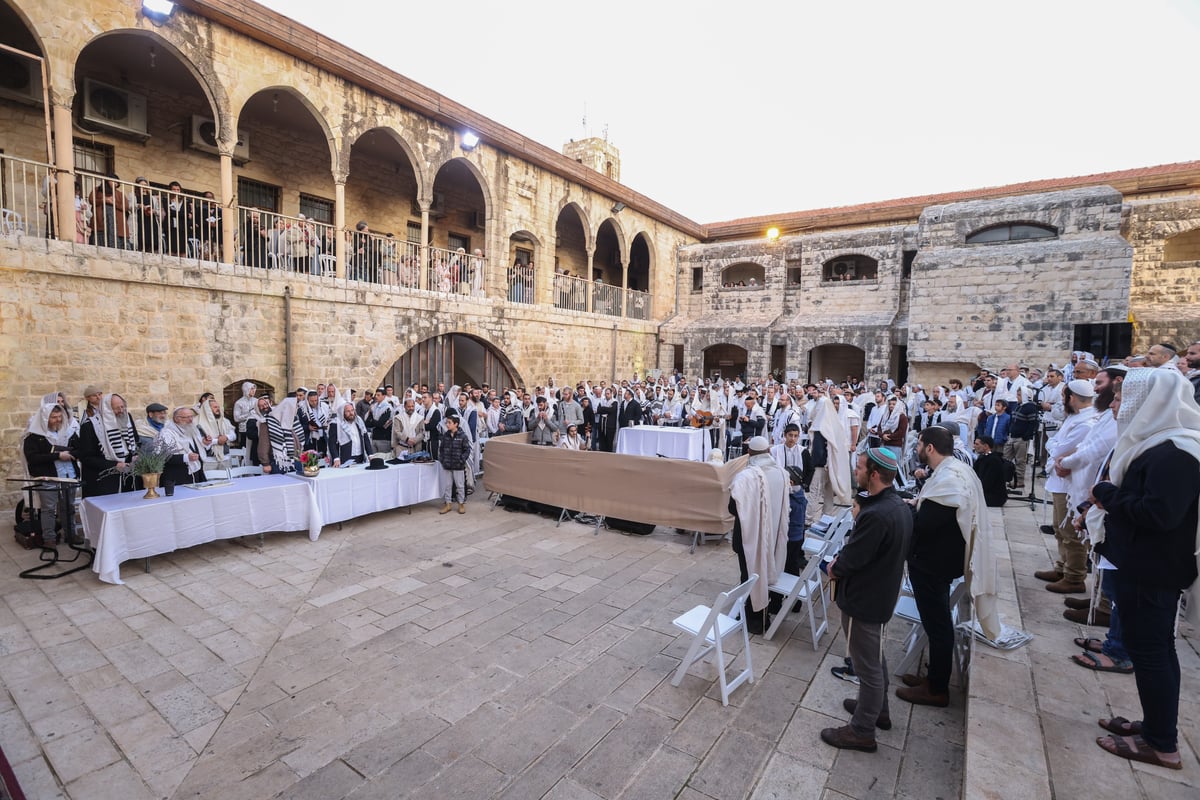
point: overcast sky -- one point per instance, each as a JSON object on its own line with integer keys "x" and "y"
{"x": 734, "y": 109}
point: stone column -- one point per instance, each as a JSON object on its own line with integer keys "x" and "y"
{"x": 588, "y": 282}
{"x": 64, "y": 162}
{"x": 423, "y": 250}
{"x": 339, "y": 226}
{"x": 229, "y": 213}
{"x": 624, "y": 289}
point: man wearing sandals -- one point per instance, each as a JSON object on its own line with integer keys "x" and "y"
{"x": 1150, "y": 532}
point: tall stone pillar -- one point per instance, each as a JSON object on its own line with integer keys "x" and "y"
{"x": 229, "y": 213}
{"x": 588, "y": 282}
{"x": 339, "y": 227}
{"x": 64, "y": 163}
{"x": 423, "y": 249}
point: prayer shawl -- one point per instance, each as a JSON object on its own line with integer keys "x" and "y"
{"x": 349, "y": 431}
{"x": 317, "y": 416}
{"x": 825, "y": 422}
{"x": 955, "y": 485}
{"x": 213, "y": 424}
{"x": 1157, "y": 406}
{"x": 764, "y": 525}
{"x": 116, "y": 436}
{"x": 283, "y": 428}
{"x": 571, "y": 442}
{"x": 39, "y": 423}
{"x": 246, "y": 407}
{"x": 182, "y": 440}
{"x": 890, "y": 420}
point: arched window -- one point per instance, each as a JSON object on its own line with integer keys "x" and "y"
{"x": 852, "y": 267}
{"x": 1183, "y": 246}
{"x": 744, "y": 275}
{"x": 1012, "y": 232}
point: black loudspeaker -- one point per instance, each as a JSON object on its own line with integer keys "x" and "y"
{"x": 629, "y": 526}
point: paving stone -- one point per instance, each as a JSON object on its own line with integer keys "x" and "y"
{"x": 786, "y": 778}
{"x": 663, "y": 775}
{"x": 769, "y": 706}
{"x": 375, "y": 755}
{"x": 605, "y": 770}
{"x": 117, "y": 781}
{"x": 526, "y": 737}
{"x": 732, "y": 766}
{"x": 80, "y": 753}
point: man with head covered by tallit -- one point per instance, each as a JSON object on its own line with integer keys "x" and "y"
{"x": 1151, "y": 533}
{"x": 951, "y": 537}
{"x": 830, "y": 483}
{"x": 107, "y": 448}
{"x": 187, "y": 448}
{"x": 47, "y": 446}
{"x": 759, "y": 502}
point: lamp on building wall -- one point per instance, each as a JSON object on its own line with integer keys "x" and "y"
{"x": 772, "y": 234}
{"x": 618, "y": 207}
{"x": 158, "y": 10}
{"x": 469, "y": 140}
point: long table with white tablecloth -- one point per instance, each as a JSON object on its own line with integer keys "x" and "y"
{"x": 125, "y": 526}
{"x": 343, "y": 493}
{"x": 691, "y": 444}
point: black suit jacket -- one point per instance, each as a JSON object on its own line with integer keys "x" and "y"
{"x": 342, "y": 452}
{"x": 632, "y": 415}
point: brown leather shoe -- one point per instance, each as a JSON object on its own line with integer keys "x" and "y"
{"x": 1048, "y": 575}
{"x": 1077, "y": 602}
{"x": 1102, "y": 619}
{"x": 1065, "y": 586}
{"x": 909, "y": 679}
{"x": 883, "y": 721}
{"x": 844, "y": 738}
{"x": 922, "y": 696}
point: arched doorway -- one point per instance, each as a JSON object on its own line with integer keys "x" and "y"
{"x": 522, "y": 267}
{"x": 836, "y": 361}
{"x": 21, "y": 91}
{"x": 458, "y": 226}
{"x": 725, "y": 361}
{"x": 453, "y": 358}
{"x": 381, "y": 190}
{"x": 233, "y": 392}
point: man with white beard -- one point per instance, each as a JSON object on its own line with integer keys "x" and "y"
{"x": 785, "y": 414}
{"x": 107, "y": 448}
{"x": 186, "y": 446}
{"x": 408, "y": 429}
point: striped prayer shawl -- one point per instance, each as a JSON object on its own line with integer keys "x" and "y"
{"x": 284, "y": 448}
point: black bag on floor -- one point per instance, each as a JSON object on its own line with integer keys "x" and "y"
{"x": 629, "y": 526}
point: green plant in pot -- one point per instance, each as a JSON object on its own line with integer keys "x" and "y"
{"x": 148, "y": 464}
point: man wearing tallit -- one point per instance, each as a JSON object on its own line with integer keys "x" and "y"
{"x": 1151, "y": 532}
{"x": 279, "y": 444}
{"x": 47, "y": 446}
{"x": 187, "y": 448}
{"x": 107, "y": 448}
{"x": 830, "y": 484}
{"x": 951, "y": 537}
{"x": 759, "y": 501}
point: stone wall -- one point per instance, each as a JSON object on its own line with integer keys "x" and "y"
{"x": 154, "y": 329}
{"x": 1164, "y": 295}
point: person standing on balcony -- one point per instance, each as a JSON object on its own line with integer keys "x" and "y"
{"x": 478, "y": 265}
{"x": 176, "y": 235}
{"x": 148, "y": 215}
{"x": 366, "y": 254}
{"x": 111, "y": 208}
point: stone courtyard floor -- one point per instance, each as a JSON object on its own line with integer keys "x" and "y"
{"x": 477, "y": 656}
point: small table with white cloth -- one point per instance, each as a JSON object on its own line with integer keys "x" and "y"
{"x": 127, "y": 526}
{"x": 691, "y": 444}
{"x": 344, "y": 493}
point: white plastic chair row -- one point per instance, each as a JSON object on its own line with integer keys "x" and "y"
{"x": 809, "y": 589}
{"x": 916, "y": 639}
{"x": 709, "y": 627}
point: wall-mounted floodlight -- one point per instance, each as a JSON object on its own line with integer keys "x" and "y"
{"x": 158, "y": 10}
{"x": 469, "y": 140}
{"x": 772, "y": 234}
{"x": 618, "y": 207}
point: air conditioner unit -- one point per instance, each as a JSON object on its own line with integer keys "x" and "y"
{"x": 844, "y": 269}
{"x": 20, "y": 79}
{"x": 113, "y": 108}
{"x": 204, "y": 138}
{"x": 477, "y": 219}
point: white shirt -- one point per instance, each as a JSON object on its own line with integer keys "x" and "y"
{"x": 1007, "y": 388}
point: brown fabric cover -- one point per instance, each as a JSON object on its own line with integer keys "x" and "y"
{"x": 689, "y": 495}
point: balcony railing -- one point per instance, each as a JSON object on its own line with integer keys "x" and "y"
{"x": 606, "y": 299}
{"x": 288, "y": 244}
{"x": 520, "y": 283}
{"x": 571, "y": 293}
{"x": 456, "y": 272}
{"x": 637, "y": 304}
{"x": 25, "y": 205}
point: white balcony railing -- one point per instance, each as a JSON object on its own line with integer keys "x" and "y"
{"x": 571, "y": 293}
{"x": 520, "y": 283}
{"x": 637, "y": 304}
{"x": 606, "y": 299}
{"x": 456, "y": 272}
{"x": 25, "y": 204}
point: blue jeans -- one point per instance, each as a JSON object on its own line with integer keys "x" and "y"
{"x": 1148, "y": 618}
{"x": 1114, "y": 646}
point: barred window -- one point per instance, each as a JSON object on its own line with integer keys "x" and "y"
{"x": 256, "y": 194}
{"x": 316, "y": 208}
{"x": 93, "y": 157}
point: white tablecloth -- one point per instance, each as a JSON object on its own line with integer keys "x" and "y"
{"x": 691, "y": 444}
{"x": 125, "y": 526}
{"x": 346, "y": 493}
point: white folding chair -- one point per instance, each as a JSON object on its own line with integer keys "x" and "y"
{"x": 194, "y": 250}
{"x": 11, "y": 222}
{"x": 245, "y": 472}
{"x": 237, "y": 456}
{"x": 916, "y": 639}
{"x": 807, "y": 588}
{"x": 328, "y": 266}
{"x": 709, "y": 627}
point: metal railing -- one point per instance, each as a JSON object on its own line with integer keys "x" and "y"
{"x": 25, "y": 204}
{"x": 140, "y": 217}
{"x": 571, "y": 293}
{"x": 456, "y": 272}
{"x": 606, "y": 299}
{"x": 290, "y": 244}
{"x": 637, "y": 304}
{"x": 520, "y": 283}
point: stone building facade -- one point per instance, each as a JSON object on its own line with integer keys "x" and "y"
{"x": 618, "y": 283}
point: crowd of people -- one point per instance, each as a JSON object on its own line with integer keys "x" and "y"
{"x": 1118, "y": 445}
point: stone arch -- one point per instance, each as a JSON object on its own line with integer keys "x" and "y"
{"x": 232, "y": 392}
{"x": 1183, "y": 246}
{"x": 476, "y": 172}
{"x": 850, "y": 267}
{"x": 414, "y": 160}
{"x": 296, "y": 95}
{"x": 836, "y": 360}
{"x": 622, "y": 241}
{"x": 584, "y": 220}
{"x": 204, "y": 75}
{"x": 743, "y": 272}
{"x": 727, "y": 359}
{"x": 437, "y": 357}
{"x": 12, "y": 14}
{"x": 641, "y": 246}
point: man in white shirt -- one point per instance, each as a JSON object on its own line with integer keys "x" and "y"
{"x": 1012, "y": 387}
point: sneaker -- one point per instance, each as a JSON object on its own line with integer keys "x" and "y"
{"x": 845, "y": 673}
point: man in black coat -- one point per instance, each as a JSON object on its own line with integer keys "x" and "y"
{"x": 989, "y": 466}
{"x": 629, "y": 411}
{"x": 433, "y": 421}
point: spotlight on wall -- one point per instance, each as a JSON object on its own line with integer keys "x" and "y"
{"x": 158, "y": 10}
{"x": 772, "y": 234}
{"x": 618, "y": 207}
{"x": 469, "y": 140}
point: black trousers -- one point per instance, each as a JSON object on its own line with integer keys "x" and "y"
{"x": 756, "y": 620}
{"x": 1148, "y": 625}
{"x": 932, "y": 594}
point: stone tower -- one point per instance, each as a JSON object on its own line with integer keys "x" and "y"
{"x": 596, "y": 153}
